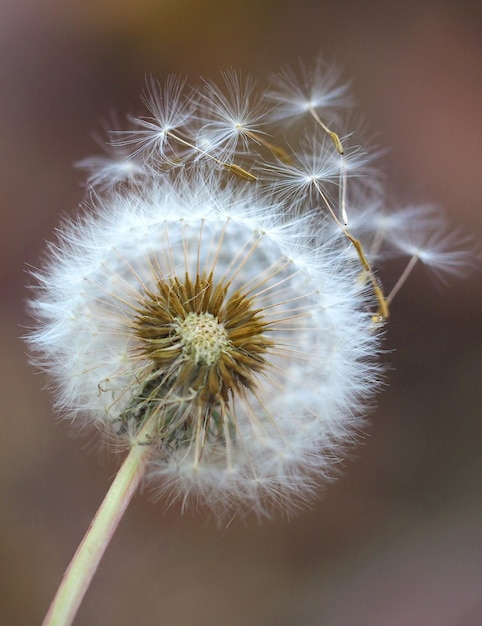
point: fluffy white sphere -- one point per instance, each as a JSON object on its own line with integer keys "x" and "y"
{"x": 302, "y": 400}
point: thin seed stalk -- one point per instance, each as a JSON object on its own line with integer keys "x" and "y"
{"x": 83, "y": 566}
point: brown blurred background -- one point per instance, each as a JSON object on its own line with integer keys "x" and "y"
{"x": 397, "y": 540}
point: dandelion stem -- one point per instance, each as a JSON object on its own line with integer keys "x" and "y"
{"x": 231, "y": 167}
{"x": 383, "y": 302}
{"x": 401, "y": 281}
{"x": 83, "y": 566}
{"x": 333, "y": 136}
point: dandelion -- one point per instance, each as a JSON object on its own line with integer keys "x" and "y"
{"x": 213, "y": 314}
{"x": 198, "y": 304}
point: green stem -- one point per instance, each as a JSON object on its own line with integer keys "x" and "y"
{"x": 83, "y": 566}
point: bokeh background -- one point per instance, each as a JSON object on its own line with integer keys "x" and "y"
{"x": 395, "y": 541}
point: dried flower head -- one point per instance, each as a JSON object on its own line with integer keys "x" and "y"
{"x": 213, "y": 301}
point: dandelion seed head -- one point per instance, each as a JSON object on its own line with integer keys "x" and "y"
{"x": 212, "y": 292}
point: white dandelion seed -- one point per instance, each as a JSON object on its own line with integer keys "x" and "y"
{"x": 296, "y": 92}
{"x": 104, "y": 171}
{"x": 170, "y": 109}
{"x": 428, "y": 238}
{"x": 231, "y": 116}
{"x": 316, "y": 165}
{"x": 115, "y": 166}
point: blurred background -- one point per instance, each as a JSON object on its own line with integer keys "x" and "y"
{"x": 395, "y": 541}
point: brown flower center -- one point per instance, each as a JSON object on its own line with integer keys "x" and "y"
{"x": 200, "y": 339}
